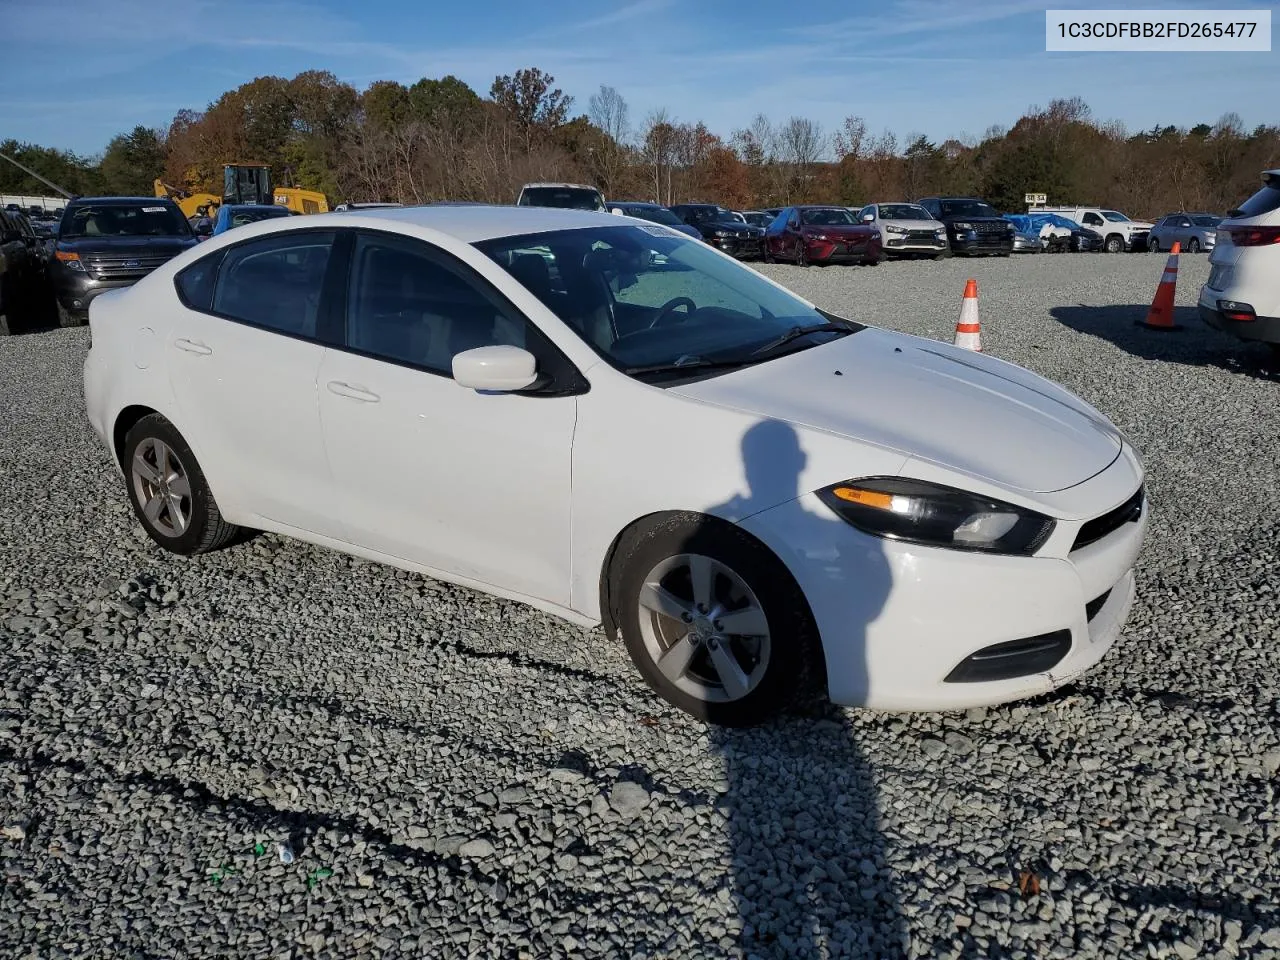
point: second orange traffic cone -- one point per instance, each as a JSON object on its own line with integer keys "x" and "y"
{"x": 968, "y": 327}
{"x": 1160, "y": 316}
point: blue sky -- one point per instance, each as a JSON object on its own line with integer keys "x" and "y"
{"x": 75, "y": 72}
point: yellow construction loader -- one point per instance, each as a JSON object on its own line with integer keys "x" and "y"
{"x": 243, "y": 183}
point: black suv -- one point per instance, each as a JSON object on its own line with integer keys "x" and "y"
{"x": 109, "y": 242}
{"x": 719, "y": 228}
{"x": 21, "y": 271}
{"x": 973, "y": 225}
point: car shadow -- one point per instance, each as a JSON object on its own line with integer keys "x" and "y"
{"x": 33, "y": 313}
{"x": 1196, "y": 344}
{"x": 808, "y": 867}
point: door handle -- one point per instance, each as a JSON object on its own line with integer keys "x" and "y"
{"x": 192, "y": 346}
{"x": 352, "y": 392}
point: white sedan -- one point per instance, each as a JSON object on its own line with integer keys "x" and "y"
{"x": 622, "y": 426}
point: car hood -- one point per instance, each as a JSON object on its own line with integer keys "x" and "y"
{"x": 123, "y": 246}
{"x": 839, "y": 229}
{"x": 930, "y": 401}
{"x": 731, "y": 225}
{"x": 914, "y": 224}
{"x": 1140, "y": 225}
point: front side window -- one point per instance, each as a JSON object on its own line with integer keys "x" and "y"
{"x": 1092, "y": 219}
{"x": 276, "y": 282}
{"x": 407, "y": 306}
{"x": 643, "y": 297}
{"x": 123, "y": 220}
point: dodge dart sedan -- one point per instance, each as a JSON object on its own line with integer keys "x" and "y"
{"x": 622, "y": 426}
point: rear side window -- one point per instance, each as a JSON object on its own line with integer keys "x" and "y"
{"x": 1264, "y": 201}
{"x": 196, "y": 283}
{"x": 275, "y": 283}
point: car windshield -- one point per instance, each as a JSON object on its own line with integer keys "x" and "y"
{"x": 827, "y": 216}
{"x": 1206, "y": 221}
{"x": 1115, "y": 216}
{"x": 903, "y": 211}
{"x": 569, "y": 198}
{"x": 967, "y": 208}
{"x": 252, "y": 215}
{"x": 642, "y": 297}
{"x": 655, "y": 215}
{"x": 124, "y": 220}
{"x": 759, "y": 219}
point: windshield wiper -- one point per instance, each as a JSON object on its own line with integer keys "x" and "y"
{"x": 795, "y": 333}
{"x": 685, "y": 363}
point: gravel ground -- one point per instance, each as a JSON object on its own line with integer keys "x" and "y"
{"x": 456, "y": 776}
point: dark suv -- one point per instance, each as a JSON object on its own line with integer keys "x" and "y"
{"x": 720, "y": 229}
{"x": 973, "y": 226}
{"x": 109, "y": 242}
{"x": 21, "y": 271}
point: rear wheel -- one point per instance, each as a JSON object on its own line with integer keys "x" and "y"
{"x": 1193, "y": 245}
{"x": 168, "y": 490}
{"x": 1153, "y": 245}
{"x": 714, "y": 622}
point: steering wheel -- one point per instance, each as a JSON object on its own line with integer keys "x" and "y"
{"x": 668, "y": 310}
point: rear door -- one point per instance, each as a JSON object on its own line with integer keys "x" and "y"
{"x": 244, "y": 353}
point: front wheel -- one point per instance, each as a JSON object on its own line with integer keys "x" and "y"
{"x": 714, "y": 622}
{"x": 67, "y": 319}
{"x": 802, "y": 255}
{"x": 168, "y": 490}
{"x": 1153, "y": 246}
{"x": 1115, "y": 244}
{"x": 1193, "y": 245}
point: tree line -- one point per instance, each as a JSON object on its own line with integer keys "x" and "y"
{"x": 440, "y": 139}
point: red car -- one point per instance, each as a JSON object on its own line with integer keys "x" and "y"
{"x": 814, "y": 234}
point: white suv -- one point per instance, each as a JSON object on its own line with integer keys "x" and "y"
{"x": 1119, "y": 233}
{"x": 1242, "y": 295}
{"x": 572, "y": 196}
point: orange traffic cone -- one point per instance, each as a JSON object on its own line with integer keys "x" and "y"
{"x": 1160, "y": 316}
{"x": 968, "y": 327}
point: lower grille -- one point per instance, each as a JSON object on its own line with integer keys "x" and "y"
{"x": 1093, "y": 606}
{"x": 1015, "y": 658}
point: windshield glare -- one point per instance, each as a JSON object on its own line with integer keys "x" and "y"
{"x": 641, "y": 297}
{"x": 565, "y": 197}
{"x": 1115, "y": 217}
{"x": 120, "y": 220}
{"x": 827, "y": 216}
{"x": 903, "y": 211}
{"x": 967, "y": 208}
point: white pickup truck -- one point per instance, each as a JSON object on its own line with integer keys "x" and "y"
{"x": 1119, "y": 233}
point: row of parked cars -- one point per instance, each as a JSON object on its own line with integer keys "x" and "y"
{"x": 26, "y": 248}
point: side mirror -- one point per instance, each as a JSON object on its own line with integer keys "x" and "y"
{"x": 868, "y": 218}
{"x": 499, "y": 368}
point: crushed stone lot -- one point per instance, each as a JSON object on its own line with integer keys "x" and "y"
{"x": 458, "y": 776}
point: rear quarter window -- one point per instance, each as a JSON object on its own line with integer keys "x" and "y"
{"x": 196, "y": 283}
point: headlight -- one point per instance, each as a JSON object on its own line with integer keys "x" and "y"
{"x": 891, "y": 228}
{"x": 918, "y": 512}
{"x": 69, "y": 260}
{"x": 963, "y": 226}
{"x": 941, "y": 233}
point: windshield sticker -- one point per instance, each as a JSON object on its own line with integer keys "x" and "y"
{"x": 658, "y": 230}
{"x": 154, "y": 209}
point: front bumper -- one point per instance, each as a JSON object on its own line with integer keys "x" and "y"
{"x": 1261, "y": 329}
{"x": 75, "y": 290}
{"x": 896, "y": 620}
{"x": 741, "y": 248}
{"x": 977, "y": 244}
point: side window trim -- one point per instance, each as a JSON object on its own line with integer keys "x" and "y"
{"x": 565, "y": 377}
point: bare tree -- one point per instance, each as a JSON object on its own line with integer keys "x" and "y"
{"x": 803, "y": 144}
{"x": 658, "y": 147}
{"x": 850, "y": 139}
{"x": 609, "y": 112}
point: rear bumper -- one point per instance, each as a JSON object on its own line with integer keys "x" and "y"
{"x": 1261, "y": 329}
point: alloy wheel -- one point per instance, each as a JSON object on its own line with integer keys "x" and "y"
{"x": 162, "y": 487}
{"x": 704, "y": 628}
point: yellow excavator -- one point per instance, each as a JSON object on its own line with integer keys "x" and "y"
{"x": 243, "y": 183}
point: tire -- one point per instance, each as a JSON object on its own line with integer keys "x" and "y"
{"x": 186, "y": 523}
{"x": 67, "y": 319}
{"x": 767, "y": 256}
{"x": 802, "y": 255}
{"x": 1153, "y": 245}
{"x": 1115, "y": 244}
{"x": 1193, "y": 245}
{"x": 871, "y": 262}
{"x": 774, "y": 668}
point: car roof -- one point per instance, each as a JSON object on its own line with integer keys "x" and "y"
{"x": 575, "y": 186}
{"x": 121, "y": 200}
{"x": 473, "y": 223}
